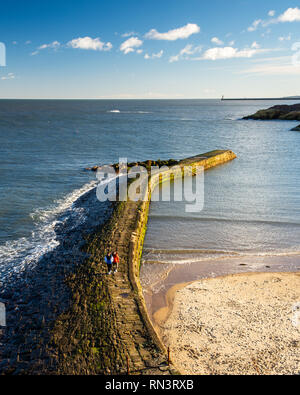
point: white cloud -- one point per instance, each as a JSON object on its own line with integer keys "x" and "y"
{"x": 158, "y": 55}
{"x": 28, "y": 42}
{"x": 281, "y": 65}
{"x": 290, "y": 15}
{"x": 266, "y": 69}
{"x": 129, "y": 34}
{"x": 185, "y": 53}
{"x": 216, "y": 40}
{"x": 285, "y": 38}
{"x": 88, "y": 43}
{"x": 139, "y": 51}
{"x": 9, "y": 76}
{"x": 14, "y": 42}
{"x": 175, "y": 34}
{"x": 54, "y": 45}
{"x": 229, "y": 53}
{"x": 271, "y": 13}
{"x": 130, "y": 45}
{"x": 174, "y": 58}
{"x": 154, "y": 55}
{"x": 190, "y": 50}
{"x": 255, "y": 45}
{"x": 255, "y": 25}
{"x": 231, "y": 43}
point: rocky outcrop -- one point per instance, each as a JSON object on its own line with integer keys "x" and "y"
{"x": 296, "y": 129}
{"x": 282, "y": 112}
{"x": 147, "y": 164}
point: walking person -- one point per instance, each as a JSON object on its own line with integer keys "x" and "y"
{"x": 109, "y": 262}
{"x": 116, "y": 261}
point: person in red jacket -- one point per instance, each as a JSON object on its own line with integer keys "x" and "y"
{"x": 116, "y": 262}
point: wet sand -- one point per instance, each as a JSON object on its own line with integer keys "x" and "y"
{"x": 158, "y": 279}
{"x": 237, "y": 324}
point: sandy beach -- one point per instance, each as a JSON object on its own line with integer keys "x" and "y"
{"x": 237, "y": 324}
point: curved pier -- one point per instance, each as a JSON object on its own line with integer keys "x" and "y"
{"x": 106, "y": 329}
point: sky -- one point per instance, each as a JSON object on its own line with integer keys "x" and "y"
{"x": 149, "y": 49}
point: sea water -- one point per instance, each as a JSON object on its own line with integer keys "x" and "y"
{"x": 251, "y": 205}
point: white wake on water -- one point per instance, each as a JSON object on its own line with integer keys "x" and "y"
{"x": 183, "y": 257}
{"x": 16, "y": 255}
{"x": 128, "y": 112}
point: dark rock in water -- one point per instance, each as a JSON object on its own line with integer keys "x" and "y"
{"x": 296, "y": 129}
{"x": 94, "y": 168}
{"x": 147, "y": 164}
{"x": 291, "y": 116}
{"x": 282, "y": 112}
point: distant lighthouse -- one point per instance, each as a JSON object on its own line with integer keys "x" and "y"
{"x": 223, "y": 97}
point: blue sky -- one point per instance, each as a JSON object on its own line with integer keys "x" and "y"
{"x": 150, "y": 49}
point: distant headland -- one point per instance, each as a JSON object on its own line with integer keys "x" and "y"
{"x": 280, "y": 112}
{"x": 261, "y": 98}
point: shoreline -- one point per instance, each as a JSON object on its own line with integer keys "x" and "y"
{"x": 205, "y": 333}
{"x": 104, "y": 321}
{"x": 168, "y": 275}
{"x": 265, "y": 99}
{"x": 162, "y": 315}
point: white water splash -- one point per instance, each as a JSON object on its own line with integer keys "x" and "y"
{"x": 17, "y": 254}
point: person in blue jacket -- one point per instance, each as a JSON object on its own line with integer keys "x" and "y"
{"x": 109, "y": 260}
